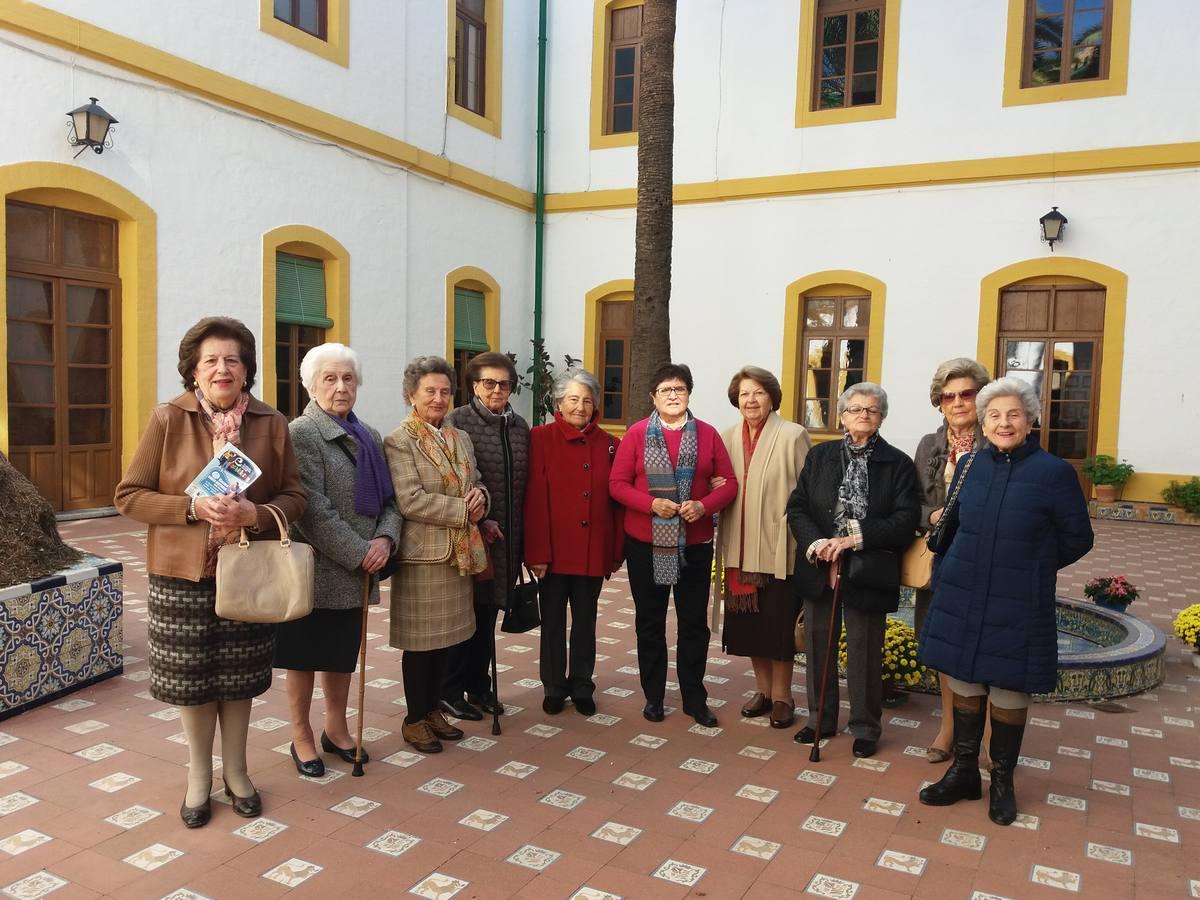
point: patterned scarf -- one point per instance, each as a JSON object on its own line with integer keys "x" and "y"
{"x": 852, "y": 493}
{"x": 960, "y": 446}
{"x": 672, "y": 483}
{"x": 372, "y": 481}
{"x": 467, "y": 551}
{"x": 224, "y": 425}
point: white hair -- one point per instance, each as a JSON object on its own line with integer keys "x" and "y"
{"x": 1010, "y": 387}
{"x": 576, "y": 376}
{"x": 322, "y": 355}
{"x": 869, "y": 389}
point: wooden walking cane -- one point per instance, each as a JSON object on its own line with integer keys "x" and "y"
{"x": 362, "y": 676}
{"x": 835, "y": 579}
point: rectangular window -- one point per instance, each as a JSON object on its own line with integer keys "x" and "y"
{"x": 470, "y": 55}
{"x": 833, "y": 346}
{"x": 310, "y": 16}
{"x": 848, "y": 60}
{"x": 616, "y": 336}
{"x": 1066, "y": 41}
{"x": 300, "y": 325}
{"x": 470, "y": 337}
{"x": 291, "y": 343}
{"x": 623, "y": 70}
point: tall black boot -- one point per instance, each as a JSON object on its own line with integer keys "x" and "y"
{"x": 1008, "y": 730}
{"x": 961, "y": 781}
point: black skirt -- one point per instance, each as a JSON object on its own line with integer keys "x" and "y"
{"x": 770, "y": 632}
{"x": 326, "y": 640}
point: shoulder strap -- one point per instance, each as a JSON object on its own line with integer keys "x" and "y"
{"x": 954, "y": 493}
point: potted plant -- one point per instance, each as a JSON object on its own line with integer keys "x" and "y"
{"x": 1107, "y": 475}
{"x": 1187, "y": 626}
{"x": 1186, "y": 496}
{"x": 1113, "y": 592}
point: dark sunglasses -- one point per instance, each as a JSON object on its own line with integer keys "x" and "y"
{"x": 490, "y": 384}
{"x": 951, "y": 396}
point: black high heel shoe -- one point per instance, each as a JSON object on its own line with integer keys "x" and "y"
{"x": 310, "y": 768}
{"x": 341, "y": 753}
{"x": 196, "y": 816}
{"x": 246, "y": 807}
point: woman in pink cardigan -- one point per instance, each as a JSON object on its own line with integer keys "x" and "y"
{"x": 661, "y": 476}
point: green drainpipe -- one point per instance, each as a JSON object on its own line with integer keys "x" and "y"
{"x": 539, "y": 210}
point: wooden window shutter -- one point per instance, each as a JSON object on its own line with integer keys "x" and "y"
{"x": 300, "y": 291}
{"x": 470, "y": 321}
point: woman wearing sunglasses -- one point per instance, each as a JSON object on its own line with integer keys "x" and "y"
{"x": 952, "y": 391}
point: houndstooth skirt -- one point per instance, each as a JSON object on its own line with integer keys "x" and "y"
{"x": 196, "y": 657}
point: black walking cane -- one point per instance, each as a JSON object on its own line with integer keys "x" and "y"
{"x": 362, "y": 677}
{"x": 495, "y": 687}
{"x": 835, "y": 578}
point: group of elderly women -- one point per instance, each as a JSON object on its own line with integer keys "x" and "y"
{"x": 455, "y": 501}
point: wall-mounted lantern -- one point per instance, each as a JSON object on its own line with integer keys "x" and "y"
{"x": 1054, "y": 226}
{"x": 90, "y": 127}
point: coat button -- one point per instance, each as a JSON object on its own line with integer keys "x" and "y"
{"x": 587, "y": 493}
{"x": 587, "y": 465}
{"x": 584, "y": 523}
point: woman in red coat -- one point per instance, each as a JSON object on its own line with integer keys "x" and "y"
{"x": 572, "y": 536}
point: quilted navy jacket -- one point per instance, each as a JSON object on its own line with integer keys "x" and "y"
{"x": 1020, "y": 518}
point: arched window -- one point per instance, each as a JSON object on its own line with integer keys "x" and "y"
{"x": 472, "y": 321}
{"x": 608, "y": 337}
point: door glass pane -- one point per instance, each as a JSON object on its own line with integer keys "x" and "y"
{"x": 1032, "y": 378}
{"x": 1049, "y": 7}
{"x": 1088, "y": 27}
{"x": 835, "y": 29}
{"x": 30, "y": 299}
{"x": 310, "y": 15}
{"x": 623, "y": 89}
{"x": 866, "y": 57}
{"x": 27, "y": 341}
{"x": 1069, "y": 415}
{"x": 624, "y": 61}
{"x": 89, "y": 242}
{"x": 819, "y": 313}
{"x": 833, "y": 61}
{"x": 614, "y": 353}
{"x": 612, "y": 407}
{"x": 866, "y": 25}
{"x": 86, "y": 385}
{"x": 1047, "y": 33}
{"x": 31, "y": 426}
{"x": 1045, "y": 67}
{"x": 87, "y": 345}
{"x": 1029, "y": 355}
{"x": 1081, "y": 353}
{"x": 1085, "y": 63}
{"x": 816, "y": 415}
{"x": 30, "y": 384}
{"x": 849, "y": 378}
{"x": 855, "y": 313}
{"x": 614, "y": 379}
{"x": 833, "y": 93}
{"x": 1068, "y": 444}
{"x": 820, "y": 354}
{"x": 87, "y": 304}
{"x": 622, "y": 119}
{"x": 863, "y": 90}
{"x": 853, "y": 354}
{"x": 88, "y": 426}
{"x": 28, "y": 234}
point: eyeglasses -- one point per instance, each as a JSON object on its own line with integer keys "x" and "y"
{"x": 490, "y": 384}
{"x": 672, "y": 392}
{"x": 752, "y": 395}
{"x": 871, "y": 411}
{"x": 951, "y": 396}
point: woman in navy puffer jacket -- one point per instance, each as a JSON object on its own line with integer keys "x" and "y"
{"x": 1020, "y": 517}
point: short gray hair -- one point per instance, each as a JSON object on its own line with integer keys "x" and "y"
{"x": 573, "y": 376}
{"x": 322, "y": 355}
{"x": 871, "y": 390}
{"x": 422, "y": 366}
{"x": 1010, "y": 387}
{"x": 959, "y": 367}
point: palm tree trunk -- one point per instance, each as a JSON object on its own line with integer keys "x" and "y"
{"x": 651, "y": 344}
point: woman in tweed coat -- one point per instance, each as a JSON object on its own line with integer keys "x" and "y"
{"x": 353, "y": 526}
{"x": 442, "y": 499}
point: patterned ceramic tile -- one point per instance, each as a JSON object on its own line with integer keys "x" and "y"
{"x": 10, "y": 803}
{"x": 293, "y": 872}
{"x": 1075, "y": 752}
{"x": 18, "y": 843}
{"x": 913, "y": 750}
{"x": 649, "y": 741}
{"x": 1157, "y": 832}
{"x": 901, "y": 862}
{"x": 528, "y": 683}
{"x": 821, "y": 825}
{"x": 872, "y": 765}
{"x": 967, "y": 840}
{"x": 97, "y": 752}
{"x": 983, "y": 895}
{"x": 403, "y": 759}
{"x": 1032, "y": 762}
{"x": 680, "y": 872}
{"x": 812, "y": 776}
{"x": 393, "y": 843}
{"x": 542, "y": 731}
{"x": 77, "y": 703}
{"x": 1026, "y": 821}
{"x": 753, "y": 752}
{"x": 884, "y": 807}
{"x": 269, "y": 723}
{"x": 604, "y": 719}
{"x": 1105, "y": 853}
{"x": 586, "y": 754}
{"x": 382, "y": 683}
{"x": 483, "y": 820}
{"x": 590, "y": 893}
{"x": 1184, "y": 762}
{"x": 1145, "y": 732}
{"x": 1189, "y": 812}
{"x": 133, "y": 816}
{"x": 184, "y": 894}
{"x": 11, "y": 767}
{"x": 355, "y": 807}
{"x": 260, "y": 829}
{"x": 39, "y": 884}
{"x": 759, "y": 848}
{"x": 374, "y": 734}
{"x": 757, "y": 793}
{"x": 153, "y": 857}
{"x": 691, "y": 812}
{"x": 828, "y": 886}
{"x": 1151, "y": 775}
{"x": 1056, "y": 878}
{"x": 1176, "y": 720}
{"x": 904, "y": 723}
{"x": 706, "y": 732}
{"x": 1044, "y": 723}
{"x": 167, "y": 714}
{"x": 515, "y": 769}
{"x": 702, "y": 766}
{"x": 634, "y": 780}
{"x": 616, "y": 833}
{"x": 115, "y": 782}
{"x": 531, "y": 857}
{"x": 1076, "y": 803}
{"x": 512, "y": 710}
{"x": 474, "y": 742}
{"x": 440, "y": 787}
{"x": 618, "y": 692}
{"x": 1111, "y": 741}
{"x": 331, "y": 775}
{"x": 562, "y": 799}
{"x": 1110, "y": 787}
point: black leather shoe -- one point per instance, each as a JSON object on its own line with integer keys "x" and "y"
{"x": 246, "y": 807}
{"x": 487, "y": 702}
{"x": 703, "y": 716}
{"x": 461, "y": 709}
{"x": 552, "y": 706}
{"x": 310, "y": 768}
{"x": 864, "y": 748}
{"x": 585, "y": 706}
{"x": 344, "y": 755}
{"x": 653, "y": 712}
{"x": 196, "y": 816}
{"x": 805, "y": 735}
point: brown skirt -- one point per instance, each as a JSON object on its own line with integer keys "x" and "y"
{"x": 770, "y": 632}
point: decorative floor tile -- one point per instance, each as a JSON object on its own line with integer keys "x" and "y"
{"x": 1145, "y": 732}
{"x": 702, "y": 766}
{"x": 542, "y": 731}
{"x": 563, "y": 799}
{"x": 293, "y": 872}
{"x": 475, "y": 743}
{"x": 97, "y": 752}
{"x": 983, "y": 895}
{"x": 331, "y": 775}
{"x": 515, "y": 769}
{"x": 1032, "y": 762}
{"x": 133, "y": 816}
{"x": 590, "y": 893}
{"x": 884, "y": 807}
{"x": 260, "y": 829}
{"x": 680, "y": 872}
{"x": 1185, "y": 763}
{"x": 10, "y": 803}
{"x": 117, "y": 781}
{"x": 616, "y": 833}
{"x": 756, "y": 752}
{"x": 16, "y": 844}
{"x": 821, "y": 825}
{"x": 77, "y": 703}
{"x": 11, "y": 767}
{"x": 153, "y": 857}
{"x": 1189, "y": 812}
{"x": 1111, "y": 741}
{"x": 756, "y": 792}
{"x": 511, "y": 710}
{"x": 604, "y": 719}
{"x": 168, "y": 714}
{"x": 1157, "y": 832}
{"x": 404, "y": 758}
{"x": 912, "y": 750}
{"x": 382, "y": 683}
{"x": 872, "y": 765}
{"x": 529, "y": 683}
{"x": 531, "y": 857}
{"x": 374, "y": 734}
{"x": 759, "y": 848}
{"x": 634, "y": 780}
{"x": 650, "y": 741}
{"x": 393, "y": 843}
{"x": 901, "y": 862}
{"x": 1110, "y": 854}
{"x": 1056, "y": 878}
{"x": 440, "y": 787}
{"x": 691, "y": 812}
{"x": 618, "y": 692}
{"x": 1075, "y": 752}
{"x": 586, "y": 754}
{"x": 1059, "y": 800}
{"x": 967, "y": 840}
{"x": 1044, "y": 723}
{"x": 483, "y": 820}
{"x": 1026, "y": 821}
{"x": 6, "y": 738}
{"x": 184, "y": 894}
{"x": 39, "y": 884}
{"x": 904, "y": 723}
{"x": 828, "y": 886}
{"x": 707, "y": 732}
{"x": 812, "y": 776}
{"x": 1151, "y": 775}
{"x": 1175, "y": 720}
{"x": 355, "y": 807}
{"x": 1110, "y": 787}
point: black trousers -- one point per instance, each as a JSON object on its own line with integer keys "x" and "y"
{"x": 691, "y": 615}
{"x": 423, "y": 671}
{"x": 468, "y": 662}
{"x": 581, "y": 593}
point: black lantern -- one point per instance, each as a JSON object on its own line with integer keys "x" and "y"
{"x": 1053, "y": 224}
{"x": 90, "y": 127}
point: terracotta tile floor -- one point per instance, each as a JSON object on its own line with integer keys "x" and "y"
{"x": 560, "y": 806}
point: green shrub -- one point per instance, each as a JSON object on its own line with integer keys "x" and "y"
{"x": 1186, "y": 495}
{"x": 1104, "y": 469}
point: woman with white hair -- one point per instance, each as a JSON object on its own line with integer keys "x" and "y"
{"x": 1019, "y": 518}
{"x": 354, "y": 527}
{"x": 856, "y": 497}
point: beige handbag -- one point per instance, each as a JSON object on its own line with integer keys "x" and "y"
{"x": 916, "y": 565}
{"x": 265, "y": 581}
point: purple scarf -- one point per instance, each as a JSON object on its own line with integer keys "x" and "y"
{"x": 372, "y": 480}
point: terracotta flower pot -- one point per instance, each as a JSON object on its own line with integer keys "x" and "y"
{"x": 1107, "y": 493}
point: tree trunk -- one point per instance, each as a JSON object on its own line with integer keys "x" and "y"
{"x": 651, "y": 344}
{"x": 30, "y": 547}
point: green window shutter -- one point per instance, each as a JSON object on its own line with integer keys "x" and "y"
{"x": 470, "y": 321}
{"x": 300, "y": 291}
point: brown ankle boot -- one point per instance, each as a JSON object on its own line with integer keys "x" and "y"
{"x": 421, "y": 736}
{"x": 443, "y": 729}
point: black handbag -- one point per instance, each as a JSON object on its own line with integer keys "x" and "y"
{"x": 522, "y": 614}
{"x": 941, "y": 536}
{"x": 876, "y": 570}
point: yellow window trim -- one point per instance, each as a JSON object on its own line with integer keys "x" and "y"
{"x": 806, "y": 116}
{"x": 302, "y": 240}
{"x": 1115, "y": 284}
{"x": 1118, "y": 62}
{"x": 474, "y": 279}
{"x": 834, "y": 282}
{"x": 77, "y": 188}
{"x": 493, "y": 15}
{"x": 601, "y": 20}
{"x": 336, "y": 46}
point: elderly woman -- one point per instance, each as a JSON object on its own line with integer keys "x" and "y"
{"x": 952, "y": 392}
{"x": 501, "y": 441}
{"x": 661, "y": 476}
{"x": 442, "y": 500}
{"x": 572, "y": 536}
{"x": 759, "y": 553}
{"x": 855, "y": 496}
{"x": 1019, "y": 518}
{"x": 352, "y": 524}
{"x": 210, "y": 668}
